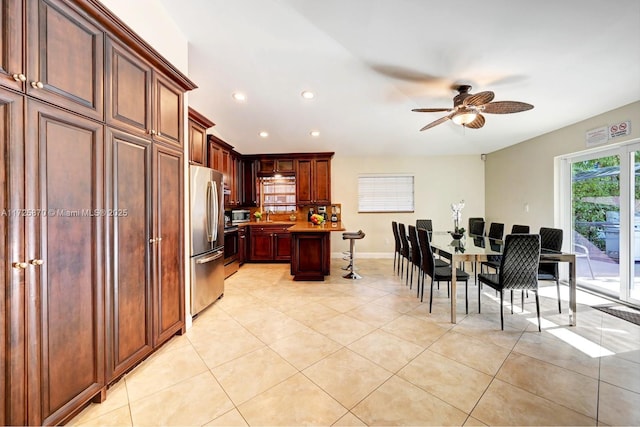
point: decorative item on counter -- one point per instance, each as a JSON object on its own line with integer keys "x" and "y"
{"x": 310, "y": 214}
{"x": 293, "y": 217}
{"x": 458, "y": 231}
{"x": 317, "y": 219}
{"x": 257, "y": 215}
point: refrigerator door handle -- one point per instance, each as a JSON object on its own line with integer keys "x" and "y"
{"x": 216, "y": 210}
{"x": 210, "y": 258}
{"x": 208, "y": 213}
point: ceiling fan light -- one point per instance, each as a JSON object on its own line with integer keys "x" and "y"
{"x": 464, "y": 117}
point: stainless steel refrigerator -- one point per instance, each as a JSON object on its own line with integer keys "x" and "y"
{"x": 207, "y": 237}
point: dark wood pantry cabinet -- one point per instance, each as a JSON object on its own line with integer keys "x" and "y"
{"x": 91, "y": 205}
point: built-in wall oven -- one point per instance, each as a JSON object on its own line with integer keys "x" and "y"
{"x": 231, "y": 261}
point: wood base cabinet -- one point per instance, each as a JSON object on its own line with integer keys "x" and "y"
{"x": 270, "y": 243}
{"x": 310, "y": 259}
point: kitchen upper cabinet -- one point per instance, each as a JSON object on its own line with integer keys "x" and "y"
{"x": 249, "y": 192}
{"x": 129, "y": 294}
{"x": 198, "y": 125}
{"x": 313, "y": 181}
{"x": 214, "y": 157}
{"x": 65, "y": 61}
{"x": 269, "y": 166}
{"x": 141, "y": 100}
{"x": 12, "y": 65}
{"x": 166, "y": 242}
{"x": 64, "y": 262}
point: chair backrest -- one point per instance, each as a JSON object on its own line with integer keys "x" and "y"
{"x": 396, "y": 236}
{"x": 520, "y": 229}
{"x": 520, "y": 261}
{"x": 415, "y": 247}
{"x": 496, "y": 230}
{"x": 426, "y": 253}
{"x": 402, "y": 232}
{"x": 424, "y": 223}
{"x": 550, "y": 238}
{"x": 476, "y": 226}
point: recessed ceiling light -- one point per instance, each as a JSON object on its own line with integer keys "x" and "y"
{"x": 264, "y": 134}
{"x": 239, "y": 96}
{"x": 308, "y": 94}
{"x": 314, "y": 133}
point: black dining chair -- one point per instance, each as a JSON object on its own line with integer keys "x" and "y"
{"x": 405, "y": 251}
{"x": 496, "y": 232}
{"x": 415, "y": 253}
{"x": 518, "y": 270}
{"x": 397, "y": 254}
{"x": 519, "y": 229}
{"x": 551, "y": 239}
{"x": 438, "y": 274}
{"x": 428, "y": 225}
{"x": 425, "y": 223}
{"x": 476, "y": 226}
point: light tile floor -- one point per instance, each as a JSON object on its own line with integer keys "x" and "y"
{"x": 367, "y": 352}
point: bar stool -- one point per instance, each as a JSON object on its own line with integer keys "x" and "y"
{"x": 352, "y": 237}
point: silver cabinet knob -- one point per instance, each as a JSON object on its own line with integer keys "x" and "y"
{"x": 152, "y": 241}
{"x": 19, "y": 77}
{"x": 37, "y": 85}
{"x": 36, "y": 262}
{"x": 19, "y": 265}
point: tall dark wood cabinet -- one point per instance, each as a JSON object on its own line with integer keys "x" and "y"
{"x": 64, "y": 249}
{"x": 92, "y": 201}
{"x": 13, "y": 262}
{"x": 167, "y": 243}
{"x": 129, "y": 293}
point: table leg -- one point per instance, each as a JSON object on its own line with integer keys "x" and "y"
{"x": 572, "y": 293}
{"x": 453, "y": 289}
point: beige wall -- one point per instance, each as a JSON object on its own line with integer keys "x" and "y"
{"x": 523, "y": 174}
{"x": 439, "y": 181}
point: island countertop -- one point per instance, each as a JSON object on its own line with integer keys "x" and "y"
{"x": 308, "y": 227}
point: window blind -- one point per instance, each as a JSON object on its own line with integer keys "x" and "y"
{"x": 385, "y": 193}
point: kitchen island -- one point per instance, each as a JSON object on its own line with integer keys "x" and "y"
{"x": 311, "y": 249}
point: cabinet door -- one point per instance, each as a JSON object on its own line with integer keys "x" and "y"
{"x": 12, "y": 250}
{"x": 215, "y": 156}
{"x": 65, "y": 310}
{"x": 282, "y": 246}
{"x": 249, "y": 195}
{"x": 304, "y": 182}
{"x": 167, "y": 111}
{"x": 12, "y": 71}
{"x": 168, "y": 250}
{"x": 322, "y": 181}
{"x": 129, "y": 303}
{"x": 261, "y": 245}
{"x": 197, "y": 144}
{"x": 65, "y": 57}
{"x": 127, "y": 90}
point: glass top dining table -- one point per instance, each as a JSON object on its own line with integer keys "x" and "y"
{"x": 479, "y": 248}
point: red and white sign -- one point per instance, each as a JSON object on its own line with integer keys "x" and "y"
{"x": 620, "y": 129}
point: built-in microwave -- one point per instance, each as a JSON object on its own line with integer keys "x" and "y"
{"x": 240, "y": 215}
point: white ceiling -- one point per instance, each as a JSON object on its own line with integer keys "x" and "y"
{"x": 571, "y": 59}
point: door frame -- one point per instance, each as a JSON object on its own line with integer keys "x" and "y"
{"x": 563, "y": 193}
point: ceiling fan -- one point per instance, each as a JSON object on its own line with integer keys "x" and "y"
{"x": 467, "y": 108}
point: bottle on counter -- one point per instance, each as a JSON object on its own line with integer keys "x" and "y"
{"x": 309, "y": 214}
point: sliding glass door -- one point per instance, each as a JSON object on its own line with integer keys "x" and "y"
{"x": 601, "y": 192}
